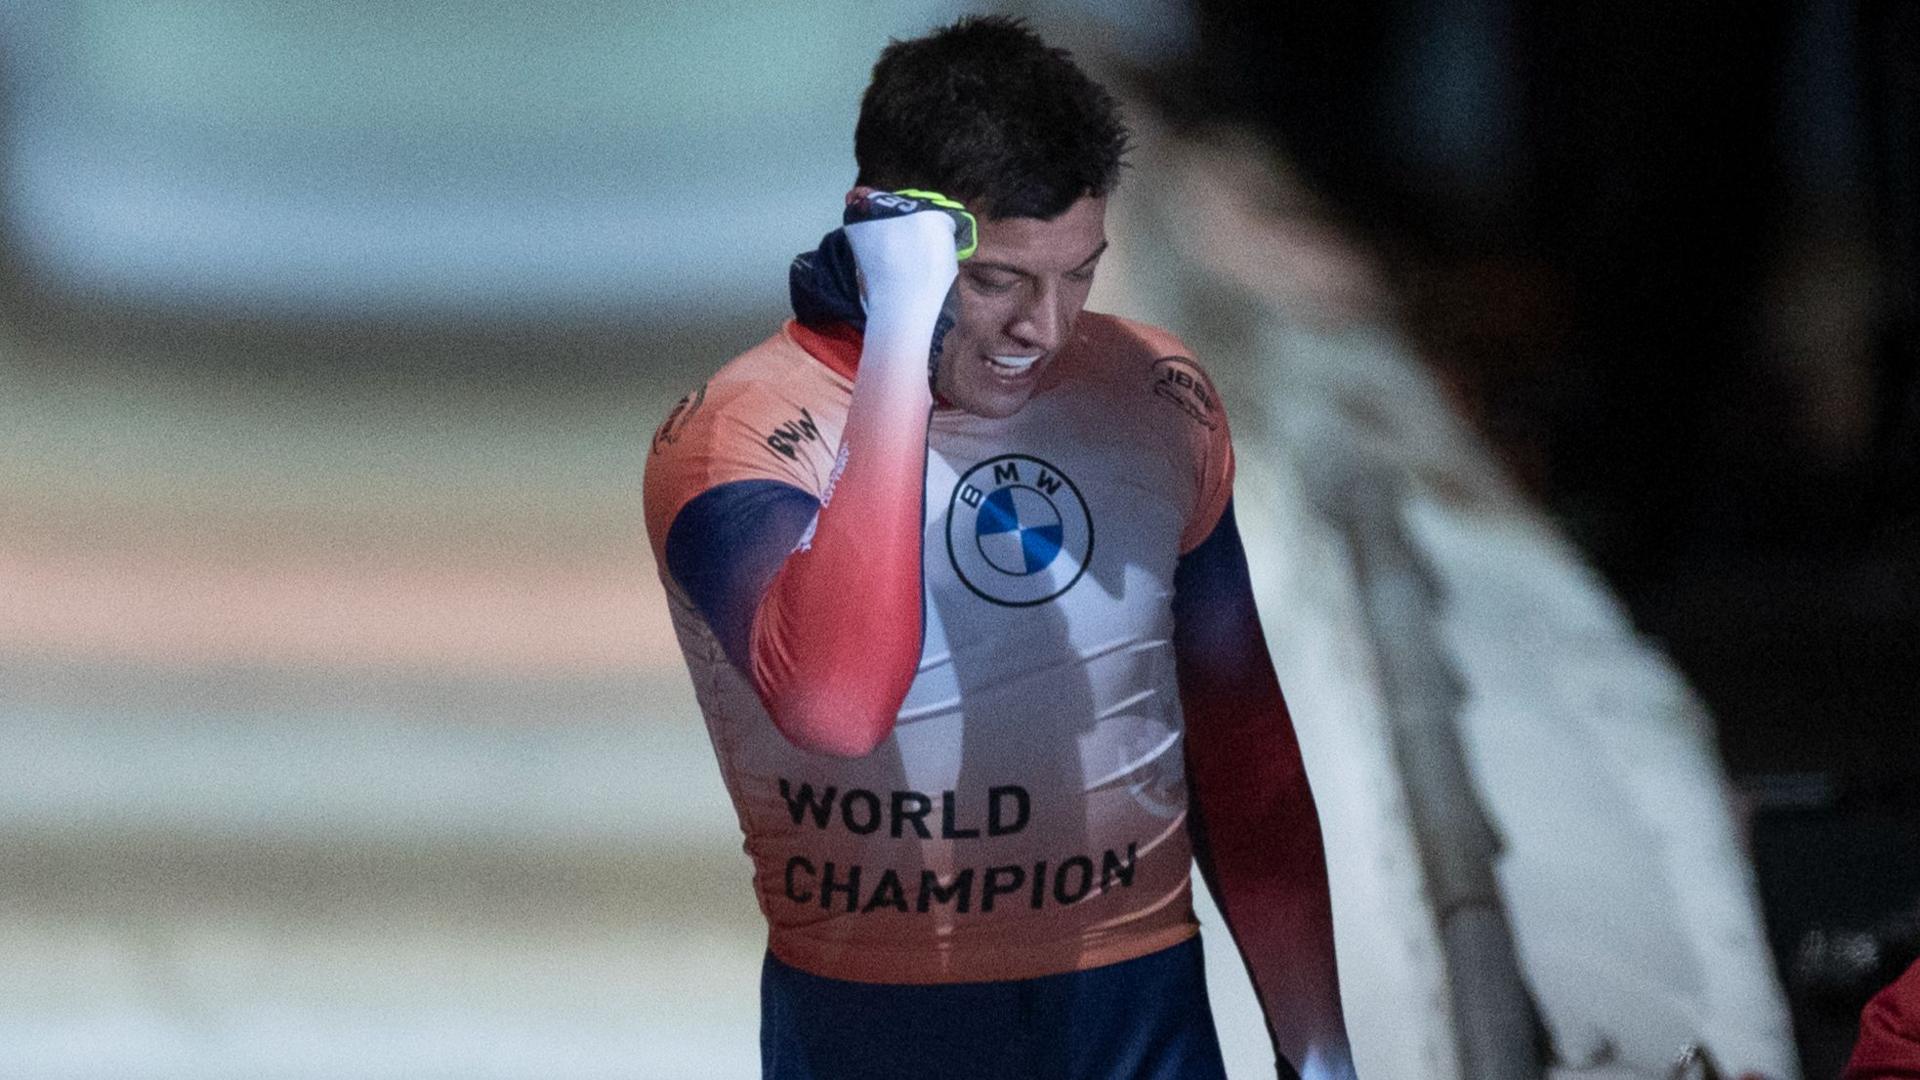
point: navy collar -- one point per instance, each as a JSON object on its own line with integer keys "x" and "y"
{"x": 824, "y": 287}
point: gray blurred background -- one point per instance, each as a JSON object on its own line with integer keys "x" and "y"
{"x": 341, "y": 729}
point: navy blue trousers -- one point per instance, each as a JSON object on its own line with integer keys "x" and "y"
{"x": 1141, "y": 1019}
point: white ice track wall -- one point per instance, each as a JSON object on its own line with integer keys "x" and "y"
{"x": 1630, "y": 900}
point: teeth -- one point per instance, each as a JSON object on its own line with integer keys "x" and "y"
{"x": 1014, "y": 363}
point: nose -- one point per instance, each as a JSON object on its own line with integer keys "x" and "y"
{"x": 1040, "y": 322}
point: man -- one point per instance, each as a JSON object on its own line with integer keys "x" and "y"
{"x": 978, "y": 652}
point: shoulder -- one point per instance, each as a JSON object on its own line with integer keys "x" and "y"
{"x": 1151, "y": 362}
{"x": 771, "y": 395}
{"x": 1118, "y": 333}
{"x": 1153, "y": 379}
{"x": 770, "y": 413}
{"x": 769, "y": 375}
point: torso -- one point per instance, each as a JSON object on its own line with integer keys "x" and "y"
{"x": 1027, "y": 816}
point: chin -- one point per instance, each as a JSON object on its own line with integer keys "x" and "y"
{"x": 980, "y": 393}
{"x": 994, "y": 407}
{"x": 991, "y": 402}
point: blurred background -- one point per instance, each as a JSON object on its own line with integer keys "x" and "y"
{"x": 344, "y": 733}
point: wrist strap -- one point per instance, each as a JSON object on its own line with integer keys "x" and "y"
{"x": 875, "y": 205}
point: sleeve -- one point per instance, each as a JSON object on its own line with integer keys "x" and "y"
{"x": 1889, "y": 1045}
{"x": 1179, "y": 380}
{"x": 728, "y": 432}
{"x": 732, "y": 483}
{"x": 803, "y": 558}
{"x": 1252, "y": 819}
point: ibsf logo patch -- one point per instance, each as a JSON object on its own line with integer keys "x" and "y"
{"x": 1180, "y": 380}
{"x": 1018, "y": 532}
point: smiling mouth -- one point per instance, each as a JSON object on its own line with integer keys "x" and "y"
{"x": 1013, "y": 365}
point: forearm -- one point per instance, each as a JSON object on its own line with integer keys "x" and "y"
{"x": 1259, "y": 840}
{"x": 1255, "y": 828}
{"x": 836, "y": 640}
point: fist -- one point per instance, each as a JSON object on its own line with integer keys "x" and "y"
{"x": 870, "y": 204}
{"x": 908, "y": 245}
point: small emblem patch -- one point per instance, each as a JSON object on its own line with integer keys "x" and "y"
{"x": 676, "y": 420}
{"x": 1181, "y": 381}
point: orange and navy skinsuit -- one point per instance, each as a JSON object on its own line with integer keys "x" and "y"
{"x": 1073, "y": 681}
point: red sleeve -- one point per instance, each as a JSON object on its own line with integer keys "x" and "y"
{"x": 1255, "y": 828}
{"x": 836, "y": 641}
{"x": 1889, "y": 1046}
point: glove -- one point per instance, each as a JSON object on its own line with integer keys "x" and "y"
{"x": 868, "y": 204}
{"x": 908, "y": 245}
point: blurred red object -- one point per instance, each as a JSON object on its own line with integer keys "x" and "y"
{"x": 1889, "y": 1045}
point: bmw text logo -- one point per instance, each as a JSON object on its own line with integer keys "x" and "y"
{"x": 1018, "y": 532}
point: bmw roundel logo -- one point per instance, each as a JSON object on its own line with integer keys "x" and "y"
{"x": 1018, "y": 532}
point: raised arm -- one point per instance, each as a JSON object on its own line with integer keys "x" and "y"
{"x": 819, "y": 602}
{"x": 1255, "y": 832}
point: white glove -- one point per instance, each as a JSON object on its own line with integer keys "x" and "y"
{"x": 908, "y": 246}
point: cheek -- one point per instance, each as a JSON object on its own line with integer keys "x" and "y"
{"x": 1073, "y": 299}
{"x": 981, "y": 317}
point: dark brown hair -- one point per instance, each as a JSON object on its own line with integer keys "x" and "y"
{"x": 985, "y": 112}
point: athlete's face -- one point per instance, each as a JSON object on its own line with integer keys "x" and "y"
{"x": 1019, "y": 296}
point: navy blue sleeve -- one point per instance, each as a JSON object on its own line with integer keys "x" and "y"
{"x": 1252, "y": 819}
{"x": 726, "y": 545}
{"x": 1215, "y": 623}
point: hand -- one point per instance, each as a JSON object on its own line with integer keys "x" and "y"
{"x": 908, "y": 245}
{"x": 1327, "y": 1063}
{"x": 870, "y": 204}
